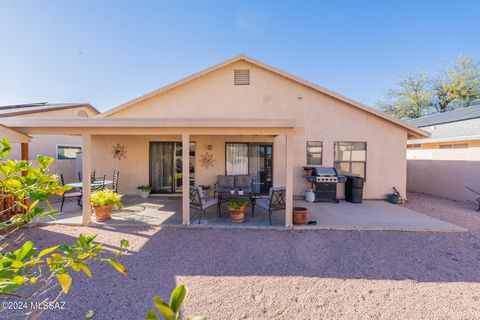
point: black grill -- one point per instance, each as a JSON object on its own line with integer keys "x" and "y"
{"x": 325, "y": 181}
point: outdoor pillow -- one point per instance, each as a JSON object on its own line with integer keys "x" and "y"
{"x": 225, "y": 181}
{"x": 243, "y": 181}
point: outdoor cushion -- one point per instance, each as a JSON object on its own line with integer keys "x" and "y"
{"x": 263, "y": 203}
{"x": 243, "y": 181}
{"x": 209, "y": 202}
{"x": 225, "y": 181}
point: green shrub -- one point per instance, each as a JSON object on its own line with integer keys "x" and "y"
{"x": 235, "y": 204}
{"x": 144, "y": 188}
{"x": 106, "y": 197}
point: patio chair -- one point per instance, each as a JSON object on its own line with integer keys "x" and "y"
{"x": 70, "y": 195}
{"x": 116, "y": 175}
{"x": 199, "y": 203}
{"x": 274, "y": 202}
{"x": 80, "y": 175}
{"x": 99, "y": 183}
{"x": 224, "y": 184}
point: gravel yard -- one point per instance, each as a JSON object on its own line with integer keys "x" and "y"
{"x": 268, "y": 274}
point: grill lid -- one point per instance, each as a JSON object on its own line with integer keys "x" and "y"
{"x": 324, "y": 172}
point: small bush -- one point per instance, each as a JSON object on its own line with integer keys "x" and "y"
{"x": 106, "y": 197}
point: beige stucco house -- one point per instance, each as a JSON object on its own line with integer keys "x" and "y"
{"x": 240, "y": 116}
{"x": 449, "y": 160}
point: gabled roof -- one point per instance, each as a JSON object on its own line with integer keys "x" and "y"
{"x": 13, "y": 135}
{"x": 29, "y": 108}
{"x": 472, "y": 112}
{"x": 413, "y": 130}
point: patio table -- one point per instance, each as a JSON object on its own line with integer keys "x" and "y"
{"x": 93, "y": 184}
{"x": 224, "y": 196}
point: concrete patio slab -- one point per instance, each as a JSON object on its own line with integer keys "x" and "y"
{"x": 369, "y": 215}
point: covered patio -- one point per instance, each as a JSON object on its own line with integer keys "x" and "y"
{"x": 370, "y": 215}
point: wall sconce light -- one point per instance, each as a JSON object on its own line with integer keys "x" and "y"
{"x": 209, "y": 147}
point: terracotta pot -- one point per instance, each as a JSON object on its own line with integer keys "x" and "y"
{"x": 237, "y": 215}
{"x": 300, "y": 215}
{"x": 102, "y": 213}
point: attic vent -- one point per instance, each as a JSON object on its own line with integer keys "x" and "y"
{"x": 241, "y": 77}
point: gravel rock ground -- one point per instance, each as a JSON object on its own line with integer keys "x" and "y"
{"x": 268, "y": 274}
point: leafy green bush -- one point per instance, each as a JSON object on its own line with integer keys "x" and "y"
{"x": 170, "y": 311}
{"x": 144, "y": 188}
{"x": 204, "y": 187}
{"x": 26, "y": 272}
{"x": 106, "y": 197}
{"x": 236, "y": 204}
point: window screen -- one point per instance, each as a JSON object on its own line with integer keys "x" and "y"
{"x": 351, "y": 158}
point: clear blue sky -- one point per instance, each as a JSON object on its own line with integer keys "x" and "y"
{"x": 108, "y": 52}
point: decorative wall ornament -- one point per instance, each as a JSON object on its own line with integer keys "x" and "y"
{"x": 119, "y": 151}
{"x": 207, "y": 160}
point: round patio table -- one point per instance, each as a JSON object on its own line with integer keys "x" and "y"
{"x": 93, "y": 184}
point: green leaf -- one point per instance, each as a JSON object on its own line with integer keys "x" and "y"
{"x": 117, "y": 265}
{"x": 151, "y": 315}
{"x": 47, "y": 251}
{"x": 177, "y": 297}
{"x": 89, "y": 314}
{"x": 85, "y": 269}
{"x": 19, "y": 280}
{"x": 65, "y": 281}
{"x": 24, "y": 251}
{"x": 164, "y": 308}
{"x": 124, "y": 243}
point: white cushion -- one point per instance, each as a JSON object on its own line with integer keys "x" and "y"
{"x": 262, "y": 203}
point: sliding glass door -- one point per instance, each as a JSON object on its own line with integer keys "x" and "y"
{"x": 255, "y": 159}
{"x": 166, "y": 166}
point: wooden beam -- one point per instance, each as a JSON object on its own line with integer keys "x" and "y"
{"x": 86, "y": 178}
{"x": 289, "y": 180}
{"x": 186, "y": 178}
{"x": 24, "y": 154}
{"x": 24, "y": 147}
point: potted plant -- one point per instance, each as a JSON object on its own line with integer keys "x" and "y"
{"x": 236, "y": 209}
{"x": 144, "y": 191}
{"x": 103, "y": 201}
{"x": 205, "y": 188}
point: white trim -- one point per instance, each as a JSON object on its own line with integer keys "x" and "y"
{"x": 445, "y": 139}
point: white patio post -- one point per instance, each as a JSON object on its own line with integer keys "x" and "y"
{"x": 186, "y": 178}
{"x": 289, "y": 179}
{"x": 86, "y": 171}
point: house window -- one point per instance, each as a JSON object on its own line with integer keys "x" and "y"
{"x": 445, "y": 146}
{"x": 67, "y": 152}
{"x": 414, "y": 146}
{"x": 460, "y": 146}
{"x": 351, "y": 158}
{"x": 314, "y": 152}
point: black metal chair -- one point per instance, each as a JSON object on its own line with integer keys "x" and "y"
{"x": 80, "y": 175}
{"x": 67, "y": 195}
{"x": 199, "y": 203}
{"x": 98, "y": 183}
{"x": 274, "y": 202}
{"x": 116, "y": 175}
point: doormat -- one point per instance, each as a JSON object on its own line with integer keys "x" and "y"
{"x": 175, "y": 198}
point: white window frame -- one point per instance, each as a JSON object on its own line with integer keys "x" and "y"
{"x": 66, "y": 145}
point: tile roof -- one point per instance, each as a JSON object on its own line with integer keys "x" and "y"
{"x": 19, "y": 109}
{"x": 446, "y": 117}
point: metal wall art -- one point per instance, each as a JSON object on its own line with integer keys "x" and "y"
{"x": 119, "y": 151}
{"x": 207, "y": 160}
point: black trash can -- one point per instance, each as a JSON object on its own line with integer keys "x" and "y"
{"x": 354, "y": 189}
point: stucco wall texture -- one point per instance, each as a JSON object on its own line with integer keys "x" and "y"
{"x": 269, "y": 96}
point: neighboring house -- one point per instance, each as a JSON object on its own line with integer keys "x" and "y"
{"x": 60, "y": 147}
{"x": 448, "y": 161}
{"x": 249, "y": 118}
